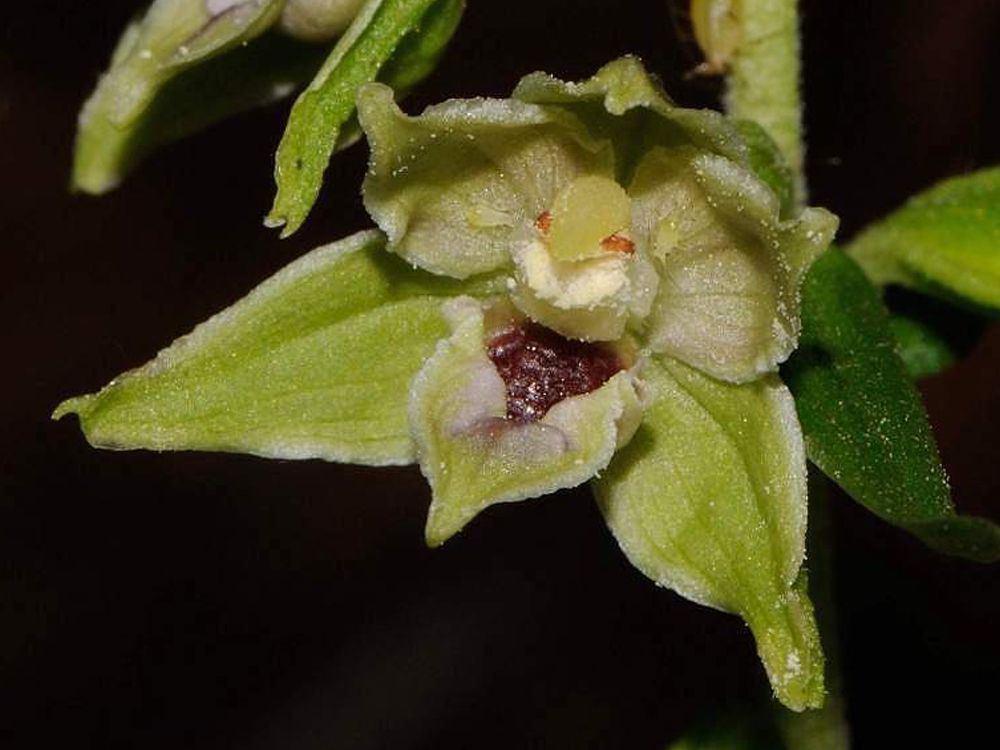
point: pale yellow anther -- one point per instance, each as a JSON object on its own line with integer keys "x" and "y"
{"x": 586, "y": 212}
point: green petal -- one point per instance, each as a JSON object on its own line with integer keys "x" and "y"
{"x": 623, "y": 102}
{"x": 709, "y": 499}
{"x": 947, "y": 239}
{"x": 173, "y": 37}
{"x": 454, "y": 186}
{"x": 314, "y": 363}
{"x": 730, "y": 267}
{"x": 473, "y": 457}
{"x": 768, "y": 163}
{"x": 863, "y": 419}
{"x": 381, "y": 30}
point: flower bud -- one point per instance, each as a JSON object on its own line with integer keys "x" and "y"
{"x": 118, "y": 122}
{"x": 317, "y": 20}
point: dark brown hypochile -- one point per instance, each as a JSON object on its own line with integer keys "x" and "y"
{"x": 540, "y": 368}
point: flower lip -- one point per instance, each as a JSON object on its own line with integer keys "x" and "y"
{"x": 541, "y": 368}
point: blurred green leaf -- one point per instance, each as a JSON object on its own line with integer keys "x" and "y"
{"x": 743, "y": 731}
{"x": 415, "y": 31}
{"x": 864, "y": 423}
{"x": 316, "y": 362}
{"x": 931, "y": 334}
{"x": 923, "y": 351}
{"x": 946, "y": 239}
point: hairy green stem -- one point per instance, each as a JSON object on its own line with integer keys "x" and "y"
{"x": 763, "y": 82}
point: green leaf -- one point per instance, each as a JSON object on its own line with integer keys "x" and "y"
{"x": 116, "y": 125}
{"x": 944, "y": 239}
{"x": 419, "y": 52}
{"x": 474, "y": 457}
{"x": 380, "y": 29}
{"x": 864, "y": 423}
{"x": 709, "y": 499}
{"x": 316, "y": 362}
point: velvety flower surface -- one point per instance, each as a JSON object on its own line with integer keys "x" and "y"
{"x": 583, "y": 282}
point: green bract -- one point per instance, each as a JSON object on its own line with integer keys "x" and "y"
{"x": 583, "y": 280}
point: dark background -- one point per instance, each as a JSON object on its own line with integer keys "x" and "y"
{"x": 212, "y": 601}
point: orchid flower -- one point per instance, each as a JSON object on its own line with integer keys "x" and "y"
{"x": 583, "y": 282}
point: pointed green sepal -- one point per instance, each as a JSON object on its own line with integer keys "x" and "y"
{"x": 316, "y": 362}
{"x": 709, "y": 499}
{"x": 474, "y": 456}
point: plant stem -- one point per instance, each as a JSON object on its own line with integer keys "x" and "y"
{"x": 763, "y": 82}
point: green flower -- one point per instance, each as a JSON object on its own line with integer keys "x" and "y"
{"x": 119, "y": 122}
{"x": 185, "y": 64}
{"x": 585, "y": 282}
